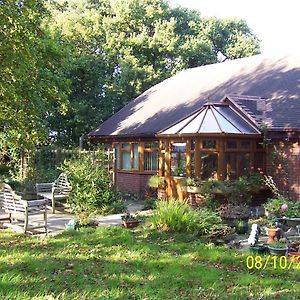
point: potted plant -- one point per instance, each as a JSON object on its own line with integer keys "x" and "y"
{"x": 276, "y": 207}
{"x": 195, "y": 197}
{"x": 129, "y": 221}
{"x": 158, "y": 183}
{"x": 193, "y": 186}
{"x": 272, "y": 229}
{"x": 278, "y": 248}
{"x": 294, "y": 251}
{"x": 259, "y": 248}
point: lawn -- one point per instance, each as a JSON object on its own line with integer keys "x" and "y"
{"x": 115, "y": 263}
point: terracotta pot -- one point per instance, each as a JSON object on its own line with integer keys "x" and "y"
{"x": 195, "y": 200}
{"x": 294, "y": 256}
{"x": 272, "y": 233}
{"x": 161, "y": 193}
{"x": 131, "y": 224}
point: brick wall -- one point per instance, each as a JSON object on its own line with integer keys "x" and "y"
{"x": 283, "y": 164}
{"x": 132, "y": 182}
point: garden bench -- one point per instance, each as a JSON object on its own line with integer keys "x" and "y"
{"x": 58, "y": 190}
{"x": 21, "y": 210}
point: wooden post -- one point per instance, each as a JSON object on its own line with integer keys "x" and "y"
{"x": 221, "y": 159}
{"x": 188, "y": 158}
{"x": 197, "y": 155}
{"x": 161, "y": 153}
{"x": 168, "y": 159}
{"x": 131, "y": 156}
{"x": 141, "y": 156}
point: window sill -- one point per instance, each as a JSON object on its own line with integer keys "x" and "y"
{"x": 136, "y": 172}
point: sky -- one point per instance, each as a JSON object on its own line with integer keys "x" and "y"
{"x": 275, "y": 22}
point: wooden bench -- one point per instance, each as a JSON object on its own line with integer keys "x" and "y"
{"x": 21, "y": 210}
{"x": 58, "y": 190}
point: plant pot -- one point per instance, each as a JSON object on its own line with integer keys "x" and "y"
{"x": 193, "y": 189}
{"x": 294, "y": 256}
{"x": 161, "y": 193}
{"x": 278, "y": 251}
{"x": 131, "y": 224}
{"x": 259, "y": 249}
{"x": 272, "y": 233}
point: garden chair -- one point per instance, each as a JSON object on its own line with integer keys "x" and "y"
{"x": 58, "y": 190}
{"x": 22, "y": 210}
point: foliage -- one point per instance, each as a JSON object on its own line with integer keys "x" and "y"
{"x": 91, "y": 189}
{"x": 239, "y": 191}
{"x": 33, "y": 76}
{"x": 156, "y": 182}
{"x": 282, "y": 206}
{"x": 278, "y": 245}
{"x": 72, "y": 264}
{"x": 269, "y": 182}
{"x": 175, "y": 216}
{"x": 121, "y": 48}
{"x": 270, "y": 222}
{"x": 149, "y": 201}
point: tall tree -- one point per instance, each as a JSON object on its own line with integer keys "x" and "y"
{"x": 121, "y": 48}
{"x": 32, "y": 80}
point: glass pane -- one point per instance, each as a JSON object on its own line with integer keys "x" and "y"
{"x": 126, "y": 164}
{"x": 231, "y": 144}
{"x": 126, "y": 146}
{"x": 178, "y": 159}
{"x": 192, "y": 145}
{"x": 210, "y": 124}
{"x": 209, "y": 165}
{"x": 244, "y": 164}
{"x": 209, "y": 144}
{"x": 151, "y": 145}
{"x": 117, "y": 156}
{"x": 231, "y": 165}
{"x": 245, "y": 144}
{"x": 135, "y": 156}
{"x": 151, "y": 161}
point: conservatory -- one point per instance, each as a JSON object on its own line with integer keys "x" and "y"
{"x": 214, "y": 142}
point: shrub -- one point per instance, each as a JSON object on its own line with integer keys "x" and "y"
{"x": 156, "y": 182}
{"x": 91, "y": 189}
{"x": 176, "y": 216}
{"x": 281, "y": 206}
{"x": 150, "y": 201}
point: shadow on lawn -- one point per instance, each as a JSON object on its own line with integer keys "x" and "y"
{"x": 119, "y": 264}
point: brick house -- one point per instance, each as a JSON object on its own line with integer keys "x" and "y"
{"x": 215, "y": 121}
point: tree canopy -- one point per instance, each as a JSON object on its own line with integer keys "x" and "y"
{"x": 70, "y": 65}
{"x": 121, "y": 48}
{"x": 33, "y": 82}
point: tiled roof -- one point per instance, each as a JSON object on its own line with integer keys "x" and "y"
{"x": 267, "y": 89}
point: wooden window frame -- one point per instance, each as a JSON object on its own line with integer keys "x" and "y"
{"x": 151, "y": 150}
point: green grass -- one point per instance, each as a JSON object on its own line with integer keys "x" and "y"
{"x": 115, "y": 263}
